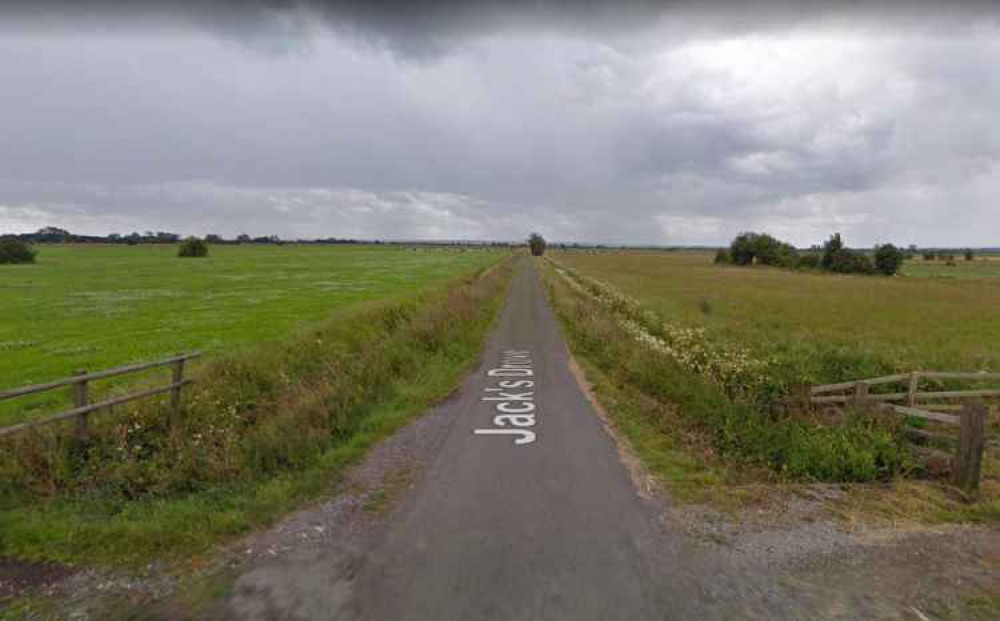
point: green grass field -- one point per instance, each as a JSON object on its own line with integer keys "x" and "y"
{"x": 97, "y": 307}
{"x": 819, "y": 327}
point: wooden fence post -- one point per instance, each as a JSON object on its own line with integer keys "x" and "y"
{"x": 175, "y": 394}
{"x": 79, "y": 400}
{"x": 861, "y": 396}
{"x": 911, "y": 393}
{"x": 968, "y": 463}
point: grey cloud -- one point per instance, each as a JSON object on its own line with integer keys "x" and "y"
{"x": 428, "y": 28}
{"x": 651, "y": 138}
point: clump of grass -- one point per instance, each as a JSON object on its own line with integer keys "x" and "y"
{"x": 262, "y": 429}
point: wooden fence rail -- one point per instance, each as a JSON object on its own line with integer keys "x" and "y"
{"x": 971, "y": 417}
{"x": 80, "y": 386}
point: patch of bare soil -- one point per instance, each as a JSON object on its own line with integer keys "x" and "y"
{"x": 19, "y": 577}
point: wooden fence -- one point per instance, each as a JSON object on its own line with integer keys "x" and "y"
{"x": 80, "y": 386}
{"x": 970, "y": 417}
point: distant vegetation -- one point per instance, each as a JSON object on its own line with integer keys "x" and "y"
{"x": 537, "y": 244}
{"x": 55, "y": 235}
{"x": 192, "y": 247}
{"x": 763, "y": 249}
{"x": 13, "y": 250}
{"x": 888, "y": 259}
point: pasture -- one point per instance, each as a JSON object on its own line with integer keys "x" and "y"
{"x": 95, "y": 307}
{"x": 819, "y": 327}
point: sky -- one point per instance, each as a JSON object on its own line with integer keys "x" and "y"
{"x": 634, "y": 122}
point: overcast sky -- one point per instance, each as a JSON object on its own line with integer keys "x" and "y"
{"x": 631, "y": 122}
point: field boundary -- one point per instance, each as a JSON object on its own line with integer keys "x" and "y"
{"x": 80, "y": 383}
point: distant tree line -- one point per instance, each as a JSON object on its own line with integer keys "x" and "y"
{"x": 948, "y": 256}
{"x": 833, "y": 256}
{"x": 55, "y": 235}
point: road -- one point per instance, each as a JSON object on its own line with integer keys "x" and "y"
{"x": 503, "y": 526}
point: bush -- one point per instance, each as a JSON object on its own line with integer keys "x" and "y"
{"x": 193, "y": 247}
{"x": 888, "y": 259}
{"x": 537, "y": 244}
{"x": 970, "y": 255}
{"x": 749, "y": 248}
{"x": 846, "y": 261}
{"x": 831, "y": 249}
{"x": 810, "y": 262}
{"x": 13, "y": 250}
{"x": 722, "y": 257}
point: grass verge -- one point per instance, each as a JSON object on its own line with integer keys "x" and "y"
{"x": 709, "y": 444}
{"x": 265, "y": 430}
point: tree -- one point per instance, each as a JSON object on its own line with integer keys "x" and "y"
{"x": 749, "y": 248}
{"x": 537, "y": 244}
{"x": 847, "y": 261}
{"x": 13, "y": 250}
{"x": 193, "y": 247}
{"x": 831, "y": 248}
{"x": 243, "y": 239}
{"x": 888, "y": 259}
{"x": 970, "y": 255}
{"x": 212, "y": 238}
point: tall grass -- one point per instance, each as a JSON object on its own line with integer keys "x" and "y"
{"x": 253, "y": 420}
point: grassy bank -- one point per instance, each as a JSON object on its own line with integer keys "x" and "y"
{"x": 96, "y": 307}
{"x": 702, "y": 414}
{"x": 264, "y": 429}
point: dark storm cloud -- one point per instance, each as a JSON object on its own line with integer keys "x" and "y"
{"x": 424, "y": 21}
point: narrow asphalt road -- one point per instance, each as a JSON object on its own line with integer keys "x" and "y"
{"x": 527, "y": 511}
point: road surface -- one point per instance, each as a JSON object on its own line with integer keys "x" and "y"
{"x": 527, "y": 511}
